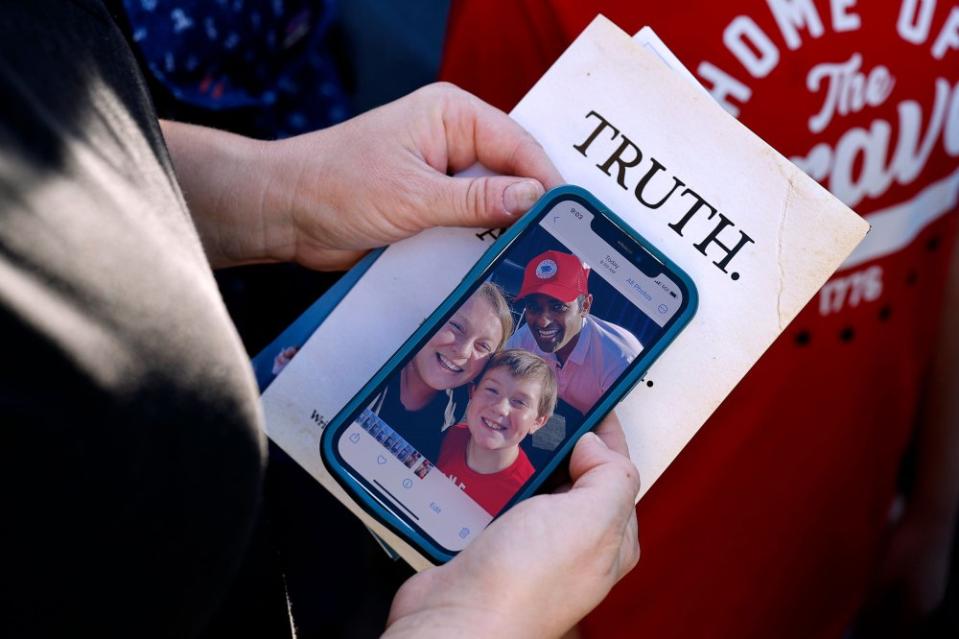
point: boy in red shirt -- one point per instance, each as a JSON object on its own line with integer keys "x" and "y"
{"x": 514, "y": 397}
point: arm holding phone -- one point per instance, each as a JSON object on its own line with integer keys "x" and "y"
{"x": 515, "y": 579}
{"x": 323, "y": 199}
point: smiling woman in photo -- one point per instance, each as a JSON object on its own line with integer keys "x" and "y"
{"x": 419, "y": 403}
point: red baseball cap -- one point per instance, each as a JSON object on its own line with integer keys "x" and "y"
{"x": 559, "y": 275}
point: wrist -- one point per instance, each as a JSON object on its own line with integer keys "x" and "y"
{"x": 299, "y": 198}
{"x": 226, "y": 180}
{"x": 254, "y": 216}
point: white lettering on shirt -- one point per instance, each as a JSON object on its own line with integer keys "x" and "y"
{"x": 948, "y": 37}
{"x": 751, "y": 46}
{"x": 790, "y": 15}
{"x": 842, "y": 19}
{"x": 912, "y": 25}
{"x": 847, "y": 89}
{"x": 851, "y": 290}
{"x": 834, "y": 167}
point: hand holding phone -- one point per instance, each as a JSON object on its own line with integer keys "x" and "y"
{"x": 516, "y": 579}
{"x": 470, "y": 416}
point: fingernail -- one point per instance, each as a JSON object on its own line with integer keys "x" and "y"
{"x": 596, "y": 438}
{"x": 520, "y": 196}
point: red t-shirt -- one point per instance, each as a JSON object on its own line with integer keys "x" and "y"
{"x": 770, "y": 521}
{"x": 490, "y": 491}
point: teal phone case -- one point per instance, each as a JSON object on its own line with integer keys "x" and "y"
{"x": 346, "y": 416}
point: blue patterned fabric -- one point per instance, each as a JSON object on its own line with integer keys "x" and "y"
{"x": 265, "y": 56}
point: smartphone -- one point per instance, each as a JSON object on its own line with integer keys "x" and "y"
{"x": 559, "y": 320}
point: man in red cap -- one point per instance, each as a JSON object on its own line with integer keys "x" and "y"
{"x": 586, "y": 353}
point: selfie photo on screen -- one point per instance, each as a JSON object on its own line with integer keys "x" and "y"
{"x": 487, "y": 404}
{"x": 490, "y": 395}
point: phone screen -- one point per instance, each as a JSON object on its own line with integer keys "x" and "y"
{"x": 485, "y": 401}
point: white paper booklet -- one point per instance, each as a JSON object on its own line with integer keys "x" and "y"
{"x": 757, "y": 236}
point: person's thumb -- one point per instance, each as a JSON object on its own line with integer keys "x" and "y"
{"x": 590, "y": 452}
{"x": 485, "y": 202}
{"x": 593, "y": 463}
